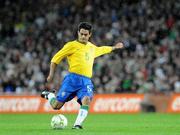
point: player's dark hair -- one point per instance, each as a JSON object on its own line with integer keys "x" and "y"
{"x": 86, "y": 26}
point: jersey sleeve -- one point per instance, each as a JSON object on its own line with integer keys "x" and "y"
{"x": 68, "y": 49}
{"x": 102, "y": 50}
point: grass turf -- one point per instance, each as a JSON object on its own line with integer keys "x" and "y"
{"x": 96, "y": 124}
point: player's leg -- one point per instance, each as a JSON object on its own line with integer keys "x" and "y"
{"x": 63, "y": 95}
{"x": 85, "y": 97}
{"x": 50, "y": 96}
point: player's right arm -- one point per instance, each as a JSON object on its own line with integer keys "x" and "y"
{"x": 68, "y": 49}
{"x": 51, "y": 72}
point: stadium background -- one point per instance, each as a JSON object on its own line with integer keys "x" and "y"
{"x": 32, "y": 31}
{"x": 144, "y": 77}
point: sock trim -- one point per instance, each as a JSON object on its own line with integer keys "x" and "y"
{"x": 52, "y": 100}
{"x": 85, "y": 107}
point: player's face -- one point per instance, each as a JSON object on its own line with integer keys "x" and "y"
{"x": 83, "y": 36}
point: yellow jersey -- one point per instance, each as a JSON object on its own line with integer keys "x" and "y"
{"x": 80, "y": 56}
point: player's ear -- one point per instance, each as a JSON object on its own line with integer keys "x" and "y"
{"x": 78, "y": 33}
{"x": 90, "y": 34}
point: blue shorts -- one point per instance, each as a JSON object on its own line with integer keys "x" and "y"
{"x": 75, "y": 85}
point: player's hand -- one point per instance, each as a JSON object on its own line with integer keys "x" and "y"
{"x": 119, "y": 45}
{"x": 49, "y": 78}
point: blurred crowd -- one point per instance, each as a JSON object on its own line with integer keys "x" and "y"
{"x": 32, "y": 31}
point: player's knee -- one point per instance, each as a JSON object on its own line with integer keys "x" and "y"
{"x": 86, "y": 100}
{"x": 56, "y": 108}
{"x": 57, "y": 105}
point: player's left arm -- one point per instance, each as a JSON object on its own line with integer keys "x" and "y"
{"x": 118, "y": 45}
{"x": 107, "y": 49}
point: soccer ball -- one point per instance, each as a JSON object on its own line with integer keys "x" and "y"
{"x": 59, "y": 121}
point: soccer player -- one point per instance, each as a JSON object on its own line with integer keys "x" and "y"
{"x": 80, "y": 54}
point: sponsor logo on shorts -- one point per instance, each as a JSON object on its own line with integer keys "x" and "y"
{"x": 63, "y": 94}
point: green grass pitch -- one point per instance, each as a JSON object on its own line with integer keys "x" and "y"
{"x": 95, "y": 124}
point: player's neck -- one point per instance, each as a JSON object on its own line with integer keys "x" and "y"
{"x": 81, "y": 42}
